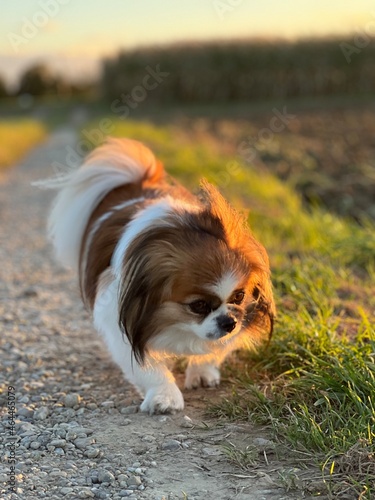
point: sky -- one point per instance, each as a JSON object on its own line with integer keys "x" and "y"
{"x": 72, "y": 36}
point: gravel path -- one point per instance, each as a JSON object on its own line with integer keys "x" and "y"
{"x": 77, "y": 432}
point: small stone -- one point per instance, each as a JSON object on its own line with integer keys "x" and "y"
{"x": 41, "y": 413}
{"x": 59, "y": 451}
{"x": 104, "y": 476}
{"x": 108, "y": 404}
{"x": 91, "y": 406}
{"x": 81, "y": 431}
{"x": 92, "y": 452}
{"x": 71, "y": 435}
{"x": 59, "y": 443}
{"x": 126, "y": 421}
{"x": 25, "y": 412}
{"x": 86, "y": 493}
{"x": 186, "y": 422}
{"x": 134, "y": 481}
{"x": 171, "y": 445}
{"x": 83, "y": 443}
{"x": 35, "y": 445}
{"x": 129, "y": 410}
{"x": 27, "y": 427}
{"x": 125, "y": 493}
{"x": 58, "y": 473}
{"x": 102, "y": 494}
{"x": 72, "y": 400}
{"x": 66, "y": 491}
{"x": 29, "y": 292}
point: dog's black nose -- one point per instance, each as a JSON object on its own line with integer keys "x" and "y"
{"x": 227, "y": 323}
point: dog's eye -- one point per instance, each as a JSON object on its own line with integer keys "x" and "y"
{"x": 238, "y": 298}
{"x": 200, "y": 307}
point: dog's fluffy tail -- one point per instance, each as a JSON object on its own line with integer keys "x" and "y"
{"x": 115, "y": 163}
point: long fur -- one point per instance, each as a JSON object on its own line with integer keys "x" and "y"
{"x": 118, "y": 162}
{"x": 146, "y": 250}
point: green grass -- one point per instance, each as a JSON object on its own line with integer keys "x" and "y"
{"x": 315, "y": 384}
{"x": 17, "y": 137}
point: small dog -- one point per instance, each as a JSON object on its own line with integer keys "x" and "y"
{"x": 164, "y": 273}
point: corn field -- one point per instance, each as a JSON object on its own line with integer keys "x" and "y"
{"x": 240, "y": 71}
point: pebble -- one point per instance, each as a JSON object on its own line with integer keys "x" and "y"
{"x": 41, "y": 413}
{"x": 25, "y": 412}
{"x": 171, "y": 445}
{"x": 186, "y": 422}
{"x": 86, "y": 493}
{"x": 108, "y": 404}
{"x": 66, "y": 491}
{"x": 35, "y": 445}
{"x": 83, "y": 443}
{"x": 92, "y": 452}
{"x": 58, "y": 443}
{"x": 104, "y": 476}
{"x": 134, "y": 481}
{"x": 126, "y": 421}
{"x": 129, "y": 410}
{"x": 72, "y": 400}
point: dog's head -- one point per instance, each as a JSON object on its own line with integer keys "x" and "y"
{"x": 195, "y": 280}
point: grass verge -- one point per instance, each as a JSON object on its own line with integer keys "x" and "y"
{"x": 17, "y": 137}
{"x": 315, "y": 384}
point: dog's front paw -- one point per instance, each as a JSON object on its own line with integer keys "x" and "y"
{"x": 205, "y": 375}
{"x": 163, "y": 399}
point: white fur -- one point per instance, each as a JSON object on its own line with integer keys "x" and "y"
{"x": 153, "y": 215}
{"x": 153, "y": 380}
{"x": 226, "y": 286}
{"x": 206, "y": 374}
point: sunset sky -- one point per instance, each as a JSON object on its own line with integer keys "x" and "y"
{"x": 76, "y": 34}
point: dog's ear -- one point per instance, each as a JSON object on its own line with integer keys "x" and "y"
{"x": 261, "y": 311}
{"x": 144, "y": 285}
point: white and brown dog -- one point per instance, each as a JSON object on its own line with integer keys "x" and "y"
{"x": 165, "y": 273}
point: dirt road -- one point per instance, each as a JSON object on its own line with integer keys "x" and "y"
{"x": 79, "y": 432}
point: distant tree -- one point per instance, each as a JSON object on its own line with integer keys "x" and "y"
{"x": 3, "y": 89}
{"x": 38, "y": 80}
